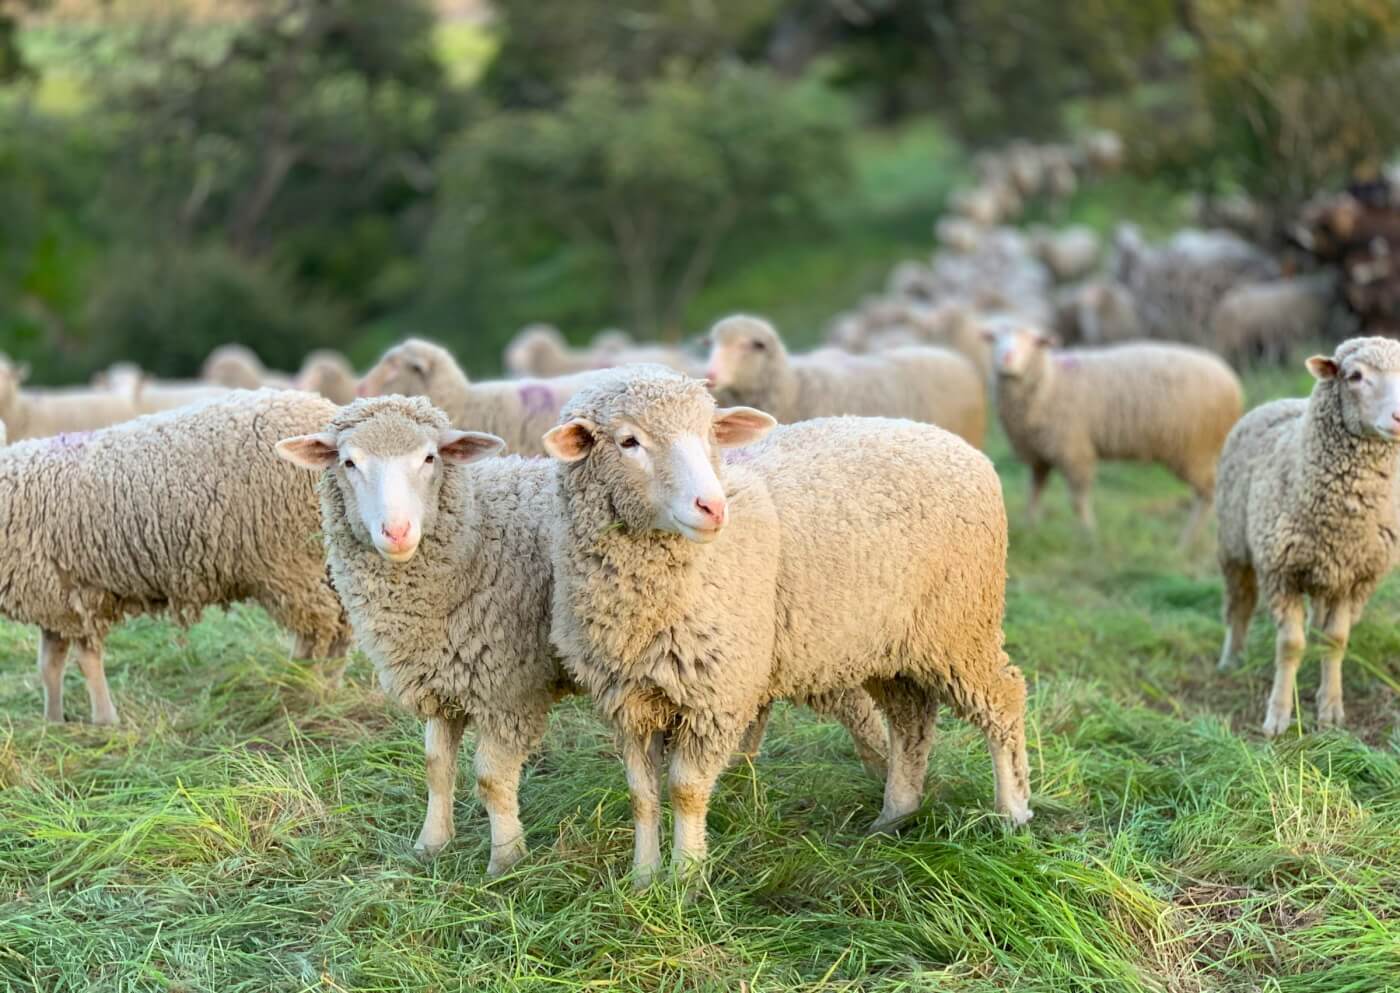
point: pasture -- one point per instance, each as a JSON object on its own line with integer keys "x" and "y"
{"x": 249, "y": 828}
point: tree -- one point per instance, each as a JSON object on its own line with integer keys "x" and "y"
{"x": 658, "y": 178}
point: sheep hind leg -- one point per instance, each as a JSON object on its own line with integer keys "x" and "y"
{"x": 994, "y": 700}
{"x": 497, "y": 764}
{"x": 1080, "y": 477}
{"x": 1195, "y": 521}
{"x": 1241, "y": 595}
{"x": 641, "y": 758}
{"x": 1288, "y": 653}
{"x": 95, "y": 672}
{"x": 1336, "y": 628}
{"x": 857, "y": 712}
{"x": 442, "y": 739}
{"x": 1040, "y": 473}
{"x": 332, "y": 655}
{"x": 53, "y": 658}
{"x": 752, "y": 741}
{"x": 912, "y": 713}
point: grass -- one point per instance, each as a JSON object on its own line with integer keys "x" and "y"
{"x": 249, "y": 829}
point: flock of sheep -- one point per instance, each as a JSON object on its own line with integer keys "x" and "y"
{"x": 656, "y": 540}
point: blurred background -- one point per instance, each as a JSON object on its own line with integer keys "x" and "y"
{"x": 297, "y": 174}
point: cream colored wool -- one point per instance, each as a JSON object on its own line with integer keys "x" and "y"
{"x": 681, "y": 644}
{"x": 1306, "y": 498}
{"x": 519, "y": 411}
{"x": 1142, "y": 402}
{"x": 751, "y": 366}
{"x": 239, "y": 368}
{"x": 151, "y": 396}
{"x": 1268, "y": 320}
{"x": 169, "y": 513}
{"x": 330, "y": 374}
{"x": 42, "y": 413}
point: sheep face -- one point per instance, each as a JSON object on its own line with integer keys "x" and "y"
{"x": 408, "y": 369}
{"x": 1365, "y": 373}
{"x": 658, "y": 460}
{"x": 745, "y": 355}
{"x": 389, "y": 469}
{"x": 536, "y": 347}
{"x": 1017, "y": 349}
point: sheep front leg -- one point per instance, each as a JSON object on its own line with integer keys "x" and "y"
{"x": 497, "y": 764}
{"x": 1040, "y": 473}
{"x": 694, "y": 768}
{"x": 53, "y": 657}
{"x": 1081, "y": 489}
{"x": 641, "y": 758}
{"x": 99, "y": 696}
{"x": 1336, "y": 628}
{"x": 441, "y": 741}
{"x": 1288, "y": 653}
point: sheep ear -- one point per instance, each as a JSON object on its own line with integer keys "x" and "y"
{"x": 987, "y": 334}
{"x": 1322, "y": 367}
{"x": 310, "y": 451}
{"x": 1046, "y": 339}
{"x": 570, "y": 441}
{"x": 738, "y": 426}
{"x": 22, "y": 372}
{"x": 463, "y": 447}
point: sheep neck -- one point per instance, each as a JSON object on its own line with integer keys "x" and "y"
{"x": 1345, "y": 480}
{"x": 1025, "y": 395}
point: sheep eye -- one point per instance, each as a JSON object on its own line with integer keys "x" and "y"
{"x": 759, "y": 346}
{"x": 348, "y": 463}
{"x": 628, "y": 442}
{"x": 429, "y": 459}
{"x": 1354, "y": 376}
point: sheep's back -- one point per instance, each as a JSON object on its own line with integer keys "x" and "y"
{"x": 1255, "y": 460}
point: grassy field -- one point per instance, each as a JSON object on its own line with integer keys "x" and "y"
{"x": 248, "y": 829}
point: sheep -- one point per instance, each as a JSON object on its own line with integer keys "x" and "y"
{"x": 1268, "y": 319}
{"x": 4, "y": 435}
{"x": 959, "y": 235}
{"x": 42, "y": 413}
{"x": 749, "y": 365}
{"x": 519, "y": 411}
{"x": 1069, "y": 253}
{"x": 108, "y": 524}
{"x": 1141, "y": 401}
{"x": 150, "y": 395}
{"x": 1103, "y": 151}
{"x": 446, "y": 576}
{"x": 954, "y": 325}
{"x": 239, "y": 368}
{"x": 539, "y": 350}
{"x": 840, "y": 553}
{"x": 1307, "y": 504}
{"x": 1096, "y": 312}
{"x": 327, "y": 372}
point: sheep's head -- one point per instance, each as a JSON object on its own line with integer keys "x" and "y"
{"x": 651, "y": 438}
{"x": 388, "y": 457}
{"x": 1017, "y": 347}
{"x": 535, "y": 350}
{"x": 11, "y": 376}
{"x": 411, "y": 368}
{"x": 745, "y": 355}
{"x": 1365, "y": 373}
{"x": 328, "y": 374}
{"x": 233, "y": 366}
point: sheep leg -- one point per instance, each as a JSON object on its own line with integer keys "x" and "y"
{"x": 856, "y": 711}
{"x": 53, "y": 657}
{"x": 1241, "y": 594}
{"x": 692, "y": 779}
{"x": 1288, "y": 653}
{"x": 1336, "y": 628}
{"x": 309, "y": 646}
{"x": 912, "y": 713}
{"x": 1040, "y": 474}
{"x": 497, "y": 764}
{"x": 641, "y": 758}
{"x": 99, "y": 696}
{"x": 1011, "y": 770}
{"x": 1205, "y": 499}
{"x": 752, "y": 741}
{"x": 442, "y": 739}
{"x": 1081, "y": 491}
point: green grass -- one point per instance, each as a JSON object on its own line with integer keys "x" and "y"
{"x": 249, "y": 829}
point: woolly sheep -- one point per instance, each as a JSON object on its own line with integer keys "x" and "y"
{"x": 957, "y": 234}
{"x": 519, "y": 411}
{"x": 689, "y": 593}
{"x": 41, "y": 413}
{"x": 1096, "y": 312}
{"x": 749, "y": 365}
{"x": 1268, "y": 319}
{"x": 445, "y": 572}
{"x": 1069, "y": 253}
{"x": 149, "y": 395}
{"x": 239, "y": 368}
{"x": 1103, "y": 151}
{"x": 1139, "y": 401}
{"x": 1307, "y": 504}
{"x": 539, "y": 350}
{"x": 327, "y": 372}
{"x": 173, "y": 512}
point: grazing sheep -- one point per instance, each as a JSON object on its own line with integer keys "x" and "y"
{"x": 1070, "y": 253}
{"x": 1307, "y": 505}
{"x": 518, "y": 410}
{"x": 239, "y": 368}
{"x": 540, "y": 351}
{"x": 841, "y": 553}
{"x": 749, "y": 365}
{"x": 41, "y": 413}
{"x": 173, "y": 512}
{"x": 1139, "y": 401}
{"x": 446, "y": 575}
{"x": 327, "y": 372}
{"x": 1268, "y": 320}
{"x": 151, "y": 396}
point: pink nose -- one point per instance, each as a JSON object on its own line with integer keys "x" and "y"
{"x": 396, "y": 533}
{"x": 711, "y": 376}
{"x": 362, "y": 390}
{"x": 712, "y": 509}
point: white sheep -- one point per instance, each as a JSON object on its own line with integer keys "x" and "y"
{"x": 517, "y": 410}
{"x": 1307, "y": 504}
{"x": 238, "y": 367}
{"x": 327, "y": 372}
{"x": 840, "y": 553}
{"x": 1069, "y": 253}
{"x": 446, "y": 576}
{"x": 31, "y": 412}
{"x": 150, "y": 395}
{"x": 959, "y": 235}
{"x": 169, "y": 513}
{"x": 1140, "y": 401}
{"x": 749, "y": 365}
{"x": 1267, "y": 320}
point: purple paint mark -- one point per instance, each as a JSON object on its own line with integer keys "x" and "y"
{"x": 537, "y": 398}
{"x": 735, "y": 456}
{"x": 1065, "y": 360}
{"x": 70, "y": 441}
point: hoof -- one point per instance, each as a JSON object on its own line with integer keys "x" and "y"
{"x": 1018, "y": 816}
{"x": 643, "y": 876}
{"x": 891, "y": 825}
{"x": 504, "y": 860}
{"x": 1331, "y": 716}
{"x": 1275, "y": 726}
{"x": 106, "y": 720}
{"x": 1226, "y": 663}
{"x": 427, "y": 849}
